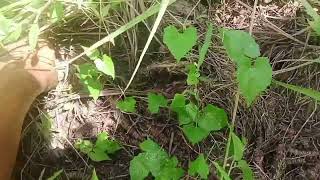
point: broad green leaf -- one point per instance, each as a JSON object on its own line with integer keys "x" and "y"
{"x": 193, "y": 75}
{"x": 55, "y": 175}
{"x": 236, "y": 147}
{"x": 205, "y": 46}
{"x": 137, "y": 169}
{"x": 240, "y": 46}
{"x": 87, "y": 70}
{"x": 106, "y": 65}
{"x": 127, "y": 105}
{"x": 156, "y": 101}
{"x": 178, "y": 43}
{"x": 34, "y": 33}
{"x": 305, "y": 91}
{"x": 213, "y": 118}
{"x": 193, "y": 111}
{"x": 97, "y": 155}
{"x": 253, "y": 80}
{"x": 187, "y": 114}
{"x": 150, "y": 146}
{"x": 178, "y": 103}
{"x": 199, "y": 166}
{"x": 94, "y": 87}
{"x": 84, "y": 146}
{"x": 170, "y": 171}
{"x": 57, "y": 12}
{"x": 194, "y": 134}
{"x": 156, "y": 161}
{"x": 222, "y": 172}
{"x": 184, "y": 116}
{"x": 246, "y": 170}
{"x": 94, "y": 175}
{"x": 103, "y": 143}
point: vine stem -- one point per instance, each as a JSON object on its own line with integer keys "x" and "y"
{"x": 234, "y": 114}
{"x": 237, "y": 96}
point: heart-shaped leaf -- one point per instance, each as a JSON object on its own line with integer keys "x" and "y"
{"x": 127, "y": 105}
{"x": 213, "y": 118}
{"x": 105, "y": 65}
{"x": 254, "y": 79}
{"x": 199, "y": 166}
{"x": 178, "y": 43}
{"x": 194, "y": 134}
{"x": 240, "y": 46}
{"x": 155, "y": 101}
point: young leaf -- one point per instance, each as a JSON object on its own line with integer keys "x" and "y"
{"x": 55, "y": 175}
{"x": 97, "y": 155}
{"x": 213, "y": 118}
{"x": 205, "y": 46}
{"x": 127, "y": 105}
{"x": 149, "y": 146}
{"x": 106, "y": 65}
{"x": 156, "y": 101}
{"x": 84, "y": 146}
{"x": 94, "y": 175}
{"x": 184, "y": 116}
{"x": 87, "y": 70}
{"x": 254, "y": 79}
{"x": 170, "y": 171}
{"x": 240, "y": 46}
{"x": 178, "y": 43}
{"x": 137, "y": 169}
{"x": 104, "y": 144}
{"x": 192, "y": 111}
{"x": 246, "y": 170}
{"x": 305, "y": 91}
{"x": 94, "y": 87}
{"x": 222, "y": 172}
{"x": 156, "y": 161}
{"x": 236, "y": 147}
{"x": 193, "y": 75}
{"x": 194, "y": 134}
{"x": 178, "y": 103}
{"x": 34, "y": 33}
{"x": 199, "y": 166}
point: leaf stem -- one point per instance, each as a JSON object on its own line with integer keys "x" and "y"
{"x": 231, "y": 128}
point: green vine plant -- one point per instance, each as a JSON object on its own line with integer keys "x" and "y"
{"x": 90, "y": 73}
{"x": 100, "y": 150}
{"x": 155, "y": 161}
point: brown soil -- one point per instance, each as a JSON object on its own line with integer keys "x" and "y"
{"x": 282, "y": 127}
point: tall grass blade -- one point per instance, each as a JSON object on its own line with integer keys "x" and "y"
{"x": 163, "y": 7}
{"x": 151, "y": 11}
{"x": 305, "y": 91}
{"x": 205, "y": 46}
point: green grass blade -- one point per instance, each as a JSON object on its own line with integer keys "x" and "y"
{"x": 205, "y": 46}
{"x": 305, "y": 91}
{"x": 163, "y": 7}
{"x": 151, "y": 11}
{"x": 310, "y": 11}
